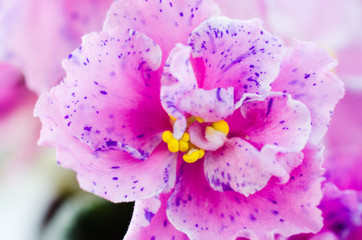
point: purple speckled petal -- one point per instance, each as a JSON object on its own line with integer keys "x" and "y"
{"x": 202, "y": 213}
{"x": 166, "y": 22}
{"x": 180, "y": 94}
{"x": 110, "y": 96}
{"x": 113, "y": 175}
{"x": 240, "y": 167}
{"x": 276, "y": 120}
{"x": 305, "y": 75}
{"x": 236, "y": 53}
{"x": 150, "y": 222}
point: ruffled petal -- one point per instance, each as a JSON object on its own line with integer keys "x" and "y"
{"x": 113, "y": 175}
{"x": 305, "y": 75}
{"x": 166, "y": 22}
{"x": 240, "y": 167}
{"x": 180, "y": 94}
{"x": 238, "y": 54}
{"x": 276, "y": 120}
{"x": 149, "y": 221}
{"x": 110, "y": 96}
{"x": 202, "y": 213}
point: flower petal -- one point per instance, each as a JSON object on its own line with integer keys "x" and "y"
{"x": 276, "y": 120}
{"x": 341, "y": 211}
{"x": 305, "y": 75}
{"x": 203, "y": 213}
{"x": 110, "y": 96}
{"x": 240, "y": 167}
{"x": 113, "y": 175}
{"x": 166, "y": 22}
{"x": 149, "y": 221}
{"x": 237, "y": 54}
{"x": 180, "y": 94}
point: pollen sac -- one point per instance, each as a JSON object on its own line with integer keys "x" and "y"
{"x": 221, "y": 126}
{"x": 173, "y": 145}
{"x": 184, "y": 145}
{"x": 193, "y": 155}
{"x": 167, "y": 136}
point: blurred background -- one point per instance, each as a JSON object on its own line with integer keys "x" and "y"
{"x": 41, "y": 200}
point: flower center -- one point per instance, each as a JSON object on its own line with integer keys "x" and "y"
{"x": 185, "y": 145}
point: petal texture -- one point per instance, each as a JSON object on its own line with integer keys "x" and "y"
{"x": 150, "y": 222}
{"x": 240, "y": 167}
{"x": 276, "y": 120}
{"x": 110, "y": 85}
{"x": 114, "y": 175}
{"x": 166, "y": 22}
{"x": 305, "y": 75}
{"x": 237, "y": 54}
{"x": 203, "y": 213}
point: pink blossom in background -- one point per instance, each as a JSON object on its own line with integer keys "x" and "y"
{"x": 37, "y": 34}
{"x": 261, "y": 173}
{"x": 342, "y": 215}
{"x": 12, "y": 86}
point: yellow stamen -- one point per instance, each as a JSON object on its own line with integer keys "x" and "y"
{"x": 200, "y": 120}
{"x": 183, "y": 145}
{"x": 221, "y": 126}
{"x": 201, "y": 153}
{"x": 172, "y": 118}
{"x": 186, "y": 137}
{"x": 167, "y": 136}
{"x": 209, "y": 130}
{"x": 173, "y": 145}
{"x": 192, "y": 156}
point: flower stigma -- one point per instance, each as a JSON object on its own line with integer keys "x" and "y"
{"x": 185, "y": 145}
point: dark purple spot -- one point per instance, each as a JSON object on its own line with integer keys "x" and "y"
{"x": 306, "y": 75}
{"x": 111, "y": 143}
{"x": 218, "y": 94}
{"x": 88, "y": 128}
{"x": 103, "y": 92}
{"x": 252, "y": 217}
{"x": 226, "y": 187}
{"x": 270, "y": 103}
{"x": 149, "y": 215}
{"x": 115, "y": 178}
{"x": 275, "y": 212}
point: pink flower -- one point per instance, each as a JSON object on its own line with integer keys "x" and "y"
{"x": 342, "y": 215}
{"x": 240, "y": 118}
{"x": 37, "y": 34}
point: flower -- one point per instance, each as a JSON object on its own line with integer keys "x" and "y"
{"x": 240, "y": 120}
{"x": 342, "y": 215}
